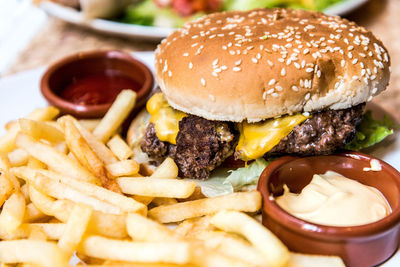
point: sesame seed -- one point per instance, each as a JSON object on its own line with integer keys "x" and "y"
{"x": 275, "y": 95}
{"x": 237, "y": 63}
{"x": 369, "y": 98}
{"x": 254, "y": 60}
{"x": 270, "y": 91}
{"x": 283, "y": 72}
{"x": 169, "y": 73}
{"x": 270, "y": 63}
{"x": 307, "y": 96}
{"x": 319, "y": 74}
{"x": 306, "y": 51}
{"x": 264, "y": 95}
{"x": 295, "y": 88}
{"x": 224, "y": 67}
{"x": 190, "y": 65}
{"x": 278, "y": 88}
{"x": 350, "y": 55}
{"x": 215, "y": 62}
{"x": 272, "y": 82}
{"x": 185, "y": 54}
{"x": 309, "y": 70}
{"x": 343, "y": 62}
{"x": 374, "y": 90}
{"x": 354, "y": 61}
{"x": 236, "y": 69}
{"x": 203, "y": 82}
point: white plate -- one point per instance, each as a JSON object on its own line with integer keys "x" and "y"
{"x": 148, "y": 32}
{"x": 20, "y": 94}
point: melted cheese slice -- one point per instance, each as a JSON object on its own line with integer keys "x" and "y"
{"x": 256, "y": 139}
{"x": 164, "y": 117}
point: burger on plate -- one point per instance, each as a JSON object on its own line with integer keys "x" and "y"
{"x": 261, "y": 83}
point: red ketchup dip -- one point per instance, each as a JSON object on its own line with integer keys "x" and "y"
{"x": 98, "y": 88}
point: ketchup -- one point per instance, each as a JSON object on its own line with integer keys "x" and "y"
{"x": 99, "y": 88}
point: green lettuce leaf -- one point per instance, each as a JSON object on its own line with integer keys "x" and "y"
{"x": 223, "y": 181}
{"x": 247, "y": 175}
{"x": 371, "y": 131}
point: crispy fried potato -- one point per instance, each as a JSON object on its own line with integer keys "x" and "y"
{"x": 120, "y": 149}
{"x": 18, "y": 157}
{"x": 54, "y": 159}
{"x": 156, "y": 187}
{"x": 89, "y": 124}
{"x": 144, "y": 229}
{"x": 105, "y": 248}
{"x": 273, "y": 250}
{"x": 6, "y": 188}
{"x": 128, "y": 167}
{"x": 38, "y": 252}
{"x": 161, "y": 201}
{"x": 33, "y": 214}
{"x": 116, "y": 115}
{"x": 87, "y": 157}
{"x": 96, "y": 145}
{"x": 40, "y": 130}
{"x": 12, "y": 214}
{"x": 75, "y": 228}
{"x": 244, "y": 201}
{"x": 7, "y": 140}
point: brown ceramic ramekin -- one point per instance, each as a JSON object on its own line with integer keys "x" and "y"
{"x": 65, "y": 70}
{"x": 358, "y": 246}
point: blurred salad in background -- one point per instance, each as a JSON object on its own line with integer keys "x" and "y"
{"x": 173, "y": 13}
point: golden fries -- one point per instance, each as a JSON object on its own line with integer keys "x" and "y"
{"x": 120, "y": 149}
{"x": 105, "y": 248}
{"x": 38, "y": 252}
{"x": 85, "y": 155}
{"x": 116, "y": 115}
{"x": 153, "y": 187}
{"x": 127, "y": 167}
{"x": 52, "y": 158}
{"x": 246, "y": 201}
{"x": 69, "y": 194}
{"x": 75, "y": 228}
{"x": 12, "y": 214}
{"x": 40, "y": 130}
{"x": 273, "y": 250}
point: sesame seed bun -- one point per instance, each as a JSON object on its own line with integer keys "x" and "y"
{"x": 254, "y": 65}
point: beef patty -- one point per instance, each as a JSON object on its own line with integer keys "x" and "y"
{"x": 202, "y": 145}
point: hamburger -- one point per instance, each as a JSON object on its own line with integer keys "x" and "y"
{"x": 261, "y": 83}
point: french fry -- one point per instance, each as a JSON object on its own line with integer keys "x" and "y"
{"x": 37, "y": 234}
{"x": 126, "y": 167}
{"x": 116, "y": 115}
{"x": 120, "y": 149}
{"x": 230, "y": 246}
{"x": 160, "y": 201}
{"x": 75, "y": 228}
{"x": 40, "y": 130}
{"x": 60, "y": 191}
{"x": 54, "y": 159}
{"x": 12, "y": 214}
{"x": 137, "y": 264}
{"x": 53, "y": 231}
{"x": 47, "y": 205}
{"x": 33, "y": 214}
{"x": 7, "y": 141}
{"x": 105, "y": 248}
{"x": 5, "y": 167}
{"x": 6, "y": 188}
{"x": 38, "y": 252}
{"x": 167, "y": 169}
{"x": 137, "y": 128}
{"x": 243, "y": 201}
{"x": 89, "y": 124}
{"x": 143, "y": 229}
{"x": 273, "y": 250}
{"x": 156, "y": 187}
{"x": 109, "y": 225}
{"x": 85, "y": 189}
{"x": 86, "y": 156}
{"x": 35, "y": 163}
{"x": 97, "y": 146}
{"x": 18, "y": 157}
{"x": 304, "y": 260}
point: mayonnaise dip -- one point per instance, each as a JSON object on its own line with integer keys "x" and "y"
{"x": 334, "y": 200}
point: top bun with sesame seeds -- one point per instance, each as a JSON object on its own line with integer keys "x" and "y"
{"x": 254, "y": 65}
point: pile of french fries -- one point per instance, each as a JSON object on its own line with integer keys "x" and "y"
{"x": 70, "y": 193}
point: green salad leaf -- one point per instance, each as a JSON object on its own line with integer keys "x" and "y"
{"x": 223, "y": 181}
{"x": 371, "y": 131}
{"x": 318, "y": 5}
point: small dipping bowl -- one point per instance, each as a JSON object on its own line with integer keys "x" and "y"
{"x": 95, "y": 69}
{"x": 358, "y": 246}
